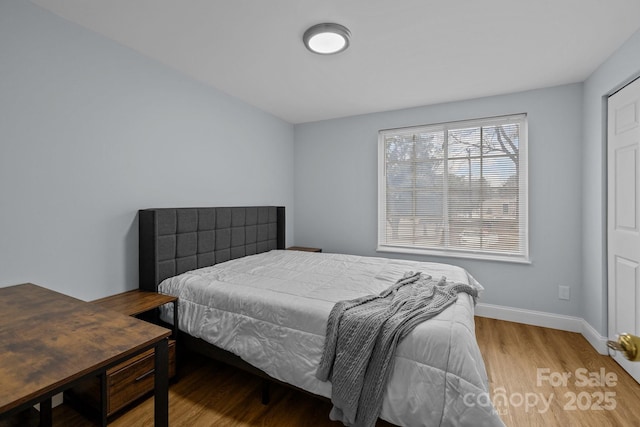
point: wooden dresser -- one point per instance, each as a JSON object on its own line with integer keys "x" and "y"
{"x": 128, "y": 381}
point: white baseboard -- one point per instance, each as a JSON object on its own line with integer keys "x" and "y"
{"x": 546, "y": 320}
{"x": 56, "y": 400}
{"x": 595, "y": 339}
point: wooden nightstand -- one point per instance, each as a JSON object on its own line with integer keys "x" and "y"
{"x": 303, "y": 249}
{"x": 130, "y": 380}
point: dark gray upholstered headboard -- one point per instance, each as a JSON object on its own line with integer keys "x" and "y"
{"x": 172, "y": 241}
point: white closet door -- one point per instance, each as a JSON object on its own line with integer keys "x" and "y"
{"x": 623, "y": 170}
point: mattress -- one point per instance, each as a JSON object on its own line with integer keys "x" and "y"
{"x": 271, "y": 309}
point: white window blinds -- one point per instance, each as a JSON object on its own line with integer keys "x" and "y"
{"x": 456, "y": 189}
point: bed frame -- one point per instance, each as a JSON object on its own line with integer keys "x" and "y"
{"x": 175, "y": 240}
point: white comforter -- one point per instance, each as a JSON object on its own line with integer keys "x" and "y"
{"x": 271, "y": 310}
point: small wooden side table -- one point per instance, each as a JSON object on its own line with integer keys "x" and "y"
{"x": 303, "y": 249}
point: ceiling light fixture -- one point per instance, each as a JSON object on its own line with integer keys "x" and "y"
{"x": 326, "y": 39}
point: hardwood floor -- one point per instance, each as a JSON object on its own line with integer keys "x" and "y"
{"x": 522, "y": 361}
{"x": 530, "y": 363}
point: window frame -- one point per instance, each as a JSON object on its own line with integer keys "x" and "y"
{"x": 453, "y": 252}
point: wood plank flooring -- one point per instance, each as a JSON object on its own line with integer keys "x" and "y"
{"x": 213, "y": 394}
{"x": 528, "y": 362}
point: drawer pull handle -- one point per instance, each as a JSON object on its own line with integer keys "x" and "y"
{"x": 145, "y": 375}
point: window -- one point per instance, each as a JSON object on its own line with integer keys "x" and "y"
{"x": 455, "y": 189}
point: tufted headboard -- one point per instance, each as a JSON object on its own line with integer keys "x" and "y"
{"x": 175, "y": 240}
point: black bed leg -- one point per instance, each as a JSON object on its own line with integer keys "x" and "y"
{"x": 265, "y": 391}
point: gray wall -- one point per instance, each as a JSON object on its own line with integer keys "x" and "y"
{"x": 91, "y": 131}
{"x": 619, "y": 69}
{"x": 336, "y": 191}
{"x": 336, "y": 194}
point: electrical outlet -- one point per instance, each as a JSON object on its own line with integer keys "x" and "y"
{"x": 564, "y": 292}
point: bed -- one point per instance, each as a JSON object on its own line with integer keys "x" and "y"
{"x": 246, "y": 300}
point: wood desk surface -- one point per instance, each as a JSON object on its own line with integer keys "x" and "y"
{"x": 48, "y": 340}
{"x": 134, "y": 302}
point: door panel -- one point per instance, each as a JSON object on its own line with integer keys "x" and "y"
{"x": 623, "y": 236}
{"x": 626, "y": 160}
{"x": 626, "y": 273}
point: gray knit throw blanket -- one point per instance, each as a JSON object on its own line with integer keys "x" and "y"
{"x": 362, "y": 336}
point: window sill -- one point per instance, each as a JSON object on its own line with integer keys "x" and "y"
{"x": 478, "y": 256}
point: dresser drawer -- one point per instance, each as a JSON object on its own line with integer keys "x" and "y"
{"x": 126, "y": 382}
{"x": 133, "y": 379}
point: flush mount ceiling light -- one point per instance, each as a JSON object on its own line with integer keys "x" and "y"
{"x": 326, "y": 39}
